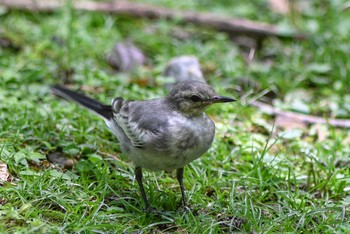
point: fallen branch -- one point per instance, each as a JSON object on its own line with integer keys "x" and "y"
{"x": 234, "y": 27}
{"x": 309, "y": 119}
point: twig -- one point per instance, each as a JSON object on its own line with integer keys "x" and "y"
{"x": 343, "y": 123}
{"x": 234, "y": 27}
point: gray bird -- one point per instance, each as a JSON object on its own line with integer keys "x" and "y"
{"x": 159, "y": 134}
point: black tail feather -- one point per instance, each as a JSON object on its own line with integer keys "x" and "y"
{"x": 104, "y": 111}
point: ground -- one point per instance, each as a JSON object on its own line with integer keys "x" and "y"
{"x": 259, "y": 175}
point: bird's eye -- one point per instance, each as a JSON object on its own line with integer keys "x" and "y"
{"x": 195, "y": 98}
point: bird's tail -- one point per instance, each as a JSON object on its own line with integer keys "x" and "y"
{"x": 104, "y": 111}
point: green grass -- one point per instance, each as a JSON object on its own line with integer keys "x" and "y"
{"x": 256, "y": 176}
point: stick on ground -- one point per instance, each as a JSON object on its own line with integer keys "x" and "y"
{"x": 234, "y": 27}
{"x": 309, "y": 119}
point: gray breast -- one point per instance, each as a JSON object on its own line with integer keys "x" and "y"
{"x": 193, "y": 139}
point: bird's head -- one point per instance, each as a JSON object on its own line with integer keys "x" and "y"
{"x": 192, "y": 98}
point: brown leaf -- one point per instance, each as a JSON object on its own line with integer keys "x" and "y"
{"x": 347, "y": 140}
{"x": 288, "y": 123}
{"x": 7, "y": 43}
{"x": 4, "y": 174}
{"x": 280, "y": 6}
{"x": 322, "y": 132}
{"x": 87, "y": 88}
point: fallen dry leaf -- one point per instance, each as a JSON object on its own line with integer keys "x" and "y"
{"x": 347, "y": 139}
{"x": 289, "y": 123}
{"x": 322, "y": 132}
{"x": 280, "y": 6}
{"x": 4, "y": 174}
{"x": 7, "y": 43}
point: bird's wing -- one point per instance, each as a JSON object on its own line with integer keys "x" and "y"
{"x": 140, "y": 122}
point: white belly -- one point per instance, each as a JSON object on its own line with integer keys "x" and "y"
{"x": 189, "y": 140}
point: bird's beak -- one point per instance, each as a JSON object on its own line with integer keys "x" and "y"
{"x": 220, "y": 99}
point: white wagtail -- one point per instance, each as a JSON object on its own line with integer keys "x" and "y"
{"x": 159, "y": 134}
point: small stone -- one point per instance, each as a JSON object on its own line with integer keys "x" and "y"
{"x": 183, "y": 68}
{"x": 125, "y": 56}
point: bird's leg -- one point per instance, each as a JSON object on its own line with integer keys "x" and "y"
{"x": 180, "y": 177}
{"x": 138, "y": 176}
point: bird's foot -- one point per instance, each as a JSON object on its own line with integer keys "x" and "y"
{"x": 150, "y": 210}
{"x": 183, "y": 207}
{"x": 153, "y": 211}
